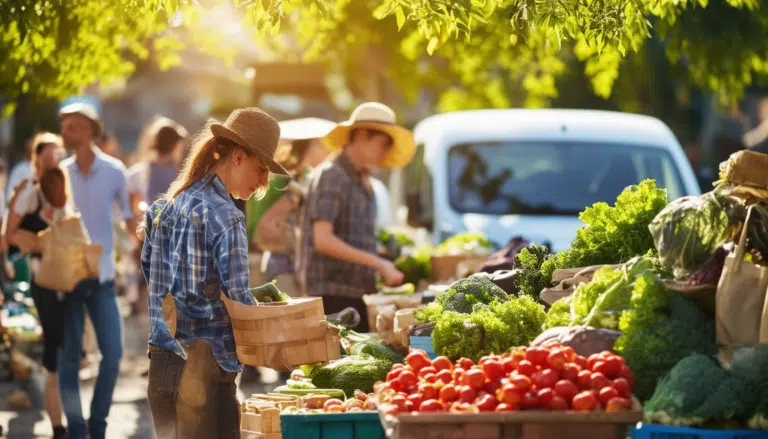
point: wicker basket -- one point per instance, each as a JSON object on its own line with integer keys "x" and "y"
{"x": 282, "y": 336}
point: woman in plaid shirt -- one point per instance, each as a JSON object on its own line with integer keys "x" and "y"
{"x": 196, "y": 249}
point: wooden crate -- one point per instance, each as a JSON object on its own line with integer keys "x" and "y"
{"x": 282, "y": 336}
{"x": 265, "y": 424}
{"x": 516, "y": 425}
{"x": 445, "y": 268}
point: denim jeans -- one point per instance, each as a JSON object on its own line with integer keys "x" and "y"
{"x": 195, "y": 399}
{"x": 100, "y": 301}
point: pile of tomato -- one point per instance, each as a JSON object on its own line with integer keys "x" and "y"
{"x": 527, "y": 378}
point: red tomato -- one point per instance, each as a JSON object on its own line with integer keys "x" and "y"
{"x": 567, "y": 389}
{"x": 416, "y": 399}
{"x": 556, "y": 359}
{"x": 613, "y": 366}
{"x": 408, "y": 378}
{"x": 412, "y": 389}
{"x": 537, "y": 355}
{"x": 545, "y": 397}
{"x": 581, "y": 361}
{"x": 509, "y": 364}
{"x": 530, "y": 401}
{"x": 465, "y": 363}
{"x": 517, "y": 354}
{"x": 599, "y": 381}
{"x": 570, "y": 354}
{"x": 571, "y": 372}
{"x": 626, "y": 373}
{"x": 493, "y": 369}
{"x": 601, "y": 367}
{"x": 522, "y": 382}
{"x": 399, "y": 401}
{"x": 474, "y": 378}
{"x": 594, "y": 358}
{"x": 510, "y": 394}
{"x": 445, "y": 376}
{"x": 584, "y": 379}
{"x": 467, "y": 394}
{"x": 430, "y": 378}
{"x": 392, "y": 374}
{"x": 428, "y": 391}
{"x": 545, "y": 378}
{"x": 617, "y": 404}
{"x": 503, "y": 407}
{"x": 449, "y": 393}
{"x": 559, "y": 403}
{"x": 410, "y": 406}
{"x": 486, "y": 403}
{"x": 397, "y": 385}
{"x": 397, "y": 366}
{"x": 606, "y": 393}
{"x": 426, "y": 370}
{"x": 622, "y": 386}
{"x": 458, "y": 373}
{"x": 491, "y": 386}
{"x": 430, "y": 405}
{"x": 442, "y": 363}
{"x": 526, "y": 368}
{"x": 584, "y": 402}
{"x": 417, "y": 360}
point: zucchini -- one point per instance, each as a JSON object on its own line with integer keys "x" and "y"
{"x": 333, "y": 393}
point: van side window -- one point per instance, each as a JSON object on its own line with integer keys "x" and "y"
{"x": 418, "y": 191}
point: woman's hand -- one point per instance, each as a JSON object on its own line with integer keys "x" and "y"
{"x": 390, "y": 274}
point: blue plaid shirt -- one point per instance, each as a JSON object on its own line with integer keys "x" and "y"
{"x": 195, "y": 248}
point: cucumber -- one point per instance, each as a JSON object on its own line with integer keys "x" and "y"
{"x": 333, "y": 393}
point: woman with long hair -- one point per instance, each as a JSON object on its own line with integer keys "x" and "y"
{"x": 36, "y": 204}
{"x": 196, "y": 250}
{"x": 272, "y": 221}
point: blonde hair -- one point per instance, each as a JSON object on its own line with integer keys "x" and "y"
{"x": 206, "y": 152}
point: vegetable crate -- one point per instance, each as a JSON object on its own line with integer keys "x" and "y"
{"x": 423, "y": 343}
{"x": 651, "y": 431}
{"x": 332, "y": 426}
{"x": 514, "y": 425}
{"x": 282, "y": 335}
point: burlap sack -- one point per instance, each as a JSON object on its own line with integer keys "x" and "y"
{"x": 740, "y": 297}
{"x": 68, "y": 256}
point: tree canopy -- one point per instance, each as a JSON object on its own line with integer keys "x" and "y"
{"x": 469, "y": 53}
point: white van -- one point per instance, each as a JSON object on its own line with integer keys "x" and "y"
{"x": 530, "y": 172}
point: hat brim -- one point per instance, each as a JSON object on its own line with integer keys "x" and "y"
{"x": 403, "y": 145}
{"x": 220, "y": 130}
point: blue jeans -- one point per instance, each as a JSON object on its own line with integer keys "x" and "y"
{"x": 101, "y": 303}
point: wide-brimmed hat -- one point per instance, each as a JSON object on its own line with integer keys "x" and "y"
{"x": 87, "y": 111}
{"x": 305, "y": 128}
{"x": 254, "y": 130}
{"x": 379, "y": 117}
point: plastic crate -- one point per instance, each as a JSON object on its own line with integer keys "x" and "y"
{"x": 365, "y": 425}
{"x": 653, "y": 431}
{"x": 423, "y": 343}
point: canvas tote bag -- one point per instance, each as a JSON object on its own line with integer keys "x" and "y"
{"x": 68, "y": 256}
{"x": 740, "y": 297}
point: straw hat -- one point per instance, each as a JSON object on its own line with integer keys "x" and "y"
{"x": 305, "y": 128}
{"x": 87, "y": 111}
{"x": 379, "y": 117}
{"x": 255, "y": 131}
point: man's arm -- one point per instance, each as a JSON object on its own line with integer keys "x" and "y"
{"x": 130, "y": 221}
{"x": 327, "y": 243}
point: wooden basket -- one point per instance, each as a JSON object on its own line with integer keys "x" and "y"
{"x": 282, "y": 336}
{"x": 514, "y": 425}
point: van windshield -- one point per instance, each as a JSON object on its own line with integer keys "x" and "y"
{"x": 551, "y": 178}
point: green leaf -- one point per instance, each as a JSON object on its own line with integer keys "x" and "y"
{"x": 432, "y": 45}
{"x": 400, "y": 16}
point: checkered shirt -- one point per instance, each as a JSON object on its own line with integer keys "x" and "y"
{"x": 338, "y": 194}
{"x": 195, "y": 249}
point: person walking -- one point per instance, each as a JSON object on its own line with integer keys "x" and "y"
{"x": 196, "y": 250}
{"x": 36, "y": 204}
{"x": 97, "y": 183}
{"x": 272, "y": 221}
{"x": 337, "y": 258}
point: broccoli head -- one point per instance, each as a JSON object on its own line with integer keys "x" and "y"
{"x": 464, "y": 293}
{"x": 749, "y": 364}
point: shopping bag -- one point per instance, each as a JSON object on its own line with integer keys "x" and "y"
{"x": 740, "y": 297}
{"x": 68, "y": 256}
